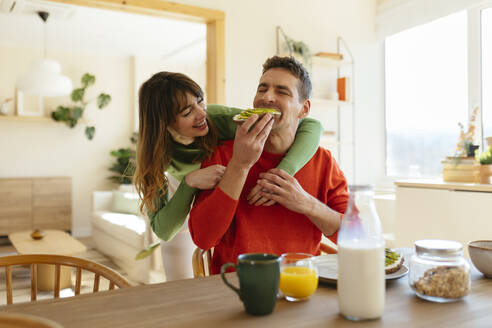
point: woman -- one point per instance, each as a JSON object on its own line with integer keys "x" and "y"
{"x": 176, "y": 133}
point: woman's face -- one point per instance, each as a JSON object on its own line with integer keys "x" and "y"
{"x": 191, "y": 120}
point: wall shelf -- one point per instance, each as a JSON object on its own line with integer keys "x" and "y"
{"x": 25, "y": 118}
{"x": 324, "y": 61}
{"x": 341, "y": 62}
{"x": 330, "y": 102}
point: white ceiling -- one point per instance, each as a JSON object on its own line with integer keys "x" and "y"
{"x": 96, "y": 31}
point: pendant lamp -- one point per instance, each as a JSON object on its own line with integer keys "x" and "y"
{"x": 44, "y": 76}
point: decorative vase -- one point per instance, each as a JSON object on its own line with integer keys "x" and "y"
{"x": 485, "y": 173}
{"x": 470, "y": 151}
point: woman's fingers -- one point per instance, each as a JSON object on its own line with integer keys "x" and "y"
{"x": 254, "y": 199}
{"x": 253, "y": 192}
{"x": 273, "y": 197}
{"x": 270, "y": 202}
{"x": 261, "y": 201}
{"x": 220, "y": 170}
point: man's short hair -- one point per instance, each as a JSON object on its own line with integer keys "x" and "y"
{"x": 295, "y": 68}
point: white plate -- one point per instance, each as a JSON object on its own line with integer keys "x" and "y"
{"x": 328, "y": 269}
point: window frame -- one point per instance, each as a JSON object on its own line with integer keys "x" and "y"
{"x": 475, "y": 88}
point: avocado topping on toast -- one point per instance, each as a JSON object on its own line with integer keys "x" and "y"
{"x": 245, "y": 114}
{"x": 393, "y": 261}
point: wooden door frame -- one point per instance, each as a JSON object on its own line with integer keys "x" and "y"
{"x": 214, "y": 19}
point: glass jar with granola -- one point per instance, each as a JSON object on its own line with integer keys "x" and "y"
{"x": 438, "y": 271}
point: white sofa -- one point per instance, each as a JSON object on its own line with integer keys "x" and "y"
{"x": 120, "y": 236}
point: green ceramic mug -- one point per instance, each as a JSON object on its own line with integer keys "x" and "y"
{"x": 259, "y": 276}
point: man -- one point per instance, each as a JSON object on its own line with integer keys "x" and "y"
{"x": 308, "y": 204}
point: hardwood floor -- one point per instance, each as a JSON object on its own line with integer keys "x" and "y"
{"x": 21, "y": 280}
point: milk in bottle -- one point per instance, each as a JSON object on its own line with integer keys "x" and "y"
{"x": 361, "y": 274}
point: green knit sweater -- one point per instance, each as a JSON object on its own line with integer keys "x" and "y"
{"x": 172, "y": 211}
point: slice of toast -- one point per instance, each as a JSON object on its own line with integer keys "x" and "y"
{"x": 245, "y": 114}
{"x": 393, "y": 261}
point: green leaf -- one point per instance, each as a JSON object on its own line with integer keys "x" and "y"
{"x": 124, "y": 153}
{"x": 147, "y": 251}
{"x": 134, "y": 138}
{"x": 77, "y": 112}
{"x": 103, "y": 100}
{"x": 72, "y": 122}
{"x": 89, "y": 132}
{"x": 88, "y": 79}
{"x": 61, "y": 114}
{"x": 78, "y": 94}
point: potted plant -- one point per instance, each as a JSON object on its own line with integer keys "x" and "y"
{"x": 485, "y": 160}
{"x": 71, "y": 115}
{"x": 124, "y": 167}
{"x": 297, "y": 49}
{"x": 465, "y": 146}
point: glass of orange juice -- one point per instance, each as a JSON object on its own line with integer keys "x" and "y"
{"x": 298, "y": 276}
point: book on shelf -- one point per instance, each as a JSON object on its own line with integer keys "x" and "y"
{"x": 343, "y": 88}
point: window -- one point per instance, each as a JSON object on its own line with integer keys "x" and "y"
{"x": 487, "y": 72}
{"x": 426, "y": 85}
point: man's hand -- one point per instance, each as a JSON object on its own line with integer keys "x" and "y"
{"x": 279, "y": 186}
{"x": 206, "y": 178}
{"x": 250, "y": 140}
{"x": 254, "y": 197}
{"x": 284, "y": 189}
{"x": 248, "y": 146}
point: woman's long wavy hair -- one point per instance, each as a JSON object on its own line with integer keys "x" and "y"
{"x": 160, "y": 99}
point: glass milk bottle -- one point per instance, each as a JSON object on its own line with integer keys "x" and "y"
{"x": 361, "y": 275}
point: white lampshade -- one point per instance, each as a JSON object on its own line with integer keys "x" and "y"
{"x": 44, "y": 78}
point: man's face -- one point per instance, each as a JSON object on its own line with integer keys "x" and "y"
{"x": 278, "y": 89}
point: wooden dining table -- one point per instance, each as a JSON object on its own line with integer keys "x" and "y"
{"x": 207, "y": 302}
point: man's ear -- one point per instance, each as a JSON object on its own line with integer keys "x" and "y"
{"x": 306, "y": 107}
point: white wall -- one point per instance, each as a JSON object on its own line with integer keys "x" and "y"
{"x": 30, "y": 149}
{"x": 250, "y": 39}
{"x": 108, "y": 45}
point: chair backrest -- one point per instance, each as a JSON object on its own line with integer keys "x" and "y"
{"x": 21, "y": 320}
{"x": 328, "y": 249}
{"x": 99, "y": 270}
{"x": 202, "y": 259}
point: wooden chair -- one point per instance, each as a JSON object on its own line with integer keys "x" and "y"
{"x": 202, "y": 259}
{"x": 20, "y": 320}
{"x": 115, "y": 279}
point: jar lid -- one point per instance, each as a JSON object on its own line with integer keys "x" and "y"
{"x": 438, "y": 247}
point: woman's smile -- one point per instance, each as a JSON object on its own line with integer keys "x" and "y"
{"x": 202, "y": 125}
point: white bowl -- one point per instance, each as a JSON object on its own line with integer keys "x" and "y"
{"x": 481, "y": 256}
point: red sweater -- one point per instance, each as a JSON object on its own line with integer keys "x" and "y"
{"x": 234, "y": 227}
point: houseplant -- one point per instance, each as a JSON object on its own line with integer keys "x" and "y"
{"x": 465, "y": 146}
{"x": 124, "y": 167}
{"x": 485, "y": 160}
{"x": 297, "y": 49}
{"x": 70, "y": 115}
